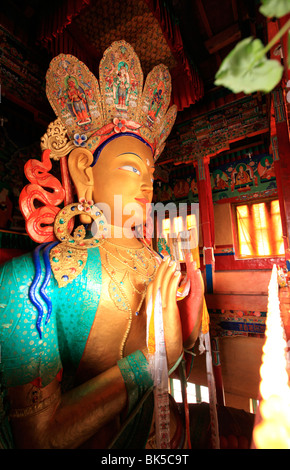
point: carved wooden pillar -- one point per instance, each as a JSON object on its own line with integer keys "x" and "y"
{"x": 206, "y": 217}
{"x": 280, "y": 132}
{"x": 207, "y": 225}
{"x": 281, "y": 153}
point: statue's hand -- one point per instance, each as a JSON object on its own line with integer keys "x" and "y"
{"x": 190, "y": 308}
{"x": 167, "y": 279}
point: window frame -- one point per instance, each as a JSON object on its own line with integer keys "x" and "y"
{"x": 178, "y": 214}
{"x": 234, "y": 206}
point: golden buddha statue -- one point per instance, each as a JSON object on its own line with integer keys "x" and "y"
{"x": 74, "y": 369}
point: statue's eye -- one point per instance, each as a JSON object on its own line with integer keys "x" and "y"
{"x": 130, "y": 168}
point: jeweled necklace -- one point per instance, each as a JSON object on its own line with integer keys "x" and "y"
{"x": 139, "y": 261}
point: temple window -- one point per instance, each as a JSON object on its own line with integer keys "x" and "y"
{"x": 258, "y": 229}
{"x": 176, "y": 229}
{"x": 195, "y": 393}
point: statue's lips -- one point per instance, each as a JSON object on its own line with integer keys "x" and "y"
{"x": 142, "y": 200}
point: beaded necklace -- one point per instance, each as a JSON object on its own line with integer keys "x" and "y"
{"x": 135, "y": 265}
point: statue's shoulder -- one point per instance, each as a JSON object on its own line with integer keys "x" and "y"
{"x": 16, "y": 275}
{"x": 11, "y": 264}
{"x": 69, "y": 262}
{"x": 37, "y": 317}
{"x": 25, "y": 354}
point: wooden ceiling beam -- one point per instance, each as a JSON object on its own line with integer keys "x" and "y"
{"x": 222, "y": 39}
{"x": 207, "y": 27}
{"x": 204, "y": 18}
{"x": 235, "y": 10}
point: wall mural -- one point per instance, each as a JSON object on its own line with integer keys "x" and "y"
{"x": 181, "y": 190}
{"x": 213, "y": 132}
{"x": 237, "y": 323}
{"x": 244, "y": 179}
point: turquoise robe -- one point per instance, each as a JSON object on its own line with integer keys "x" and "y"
{"x": 65, "y": 317}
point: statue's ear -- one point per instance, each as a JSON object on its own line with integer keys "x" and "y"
{"x": 79, "y": 163}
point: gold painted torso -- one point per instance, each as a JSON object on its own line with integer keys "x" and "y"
{"x": 119, "y": 327}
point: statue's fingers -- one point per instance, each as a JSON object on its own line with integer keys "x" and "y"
{"x": 158, "y": 280}
{"x": 173, "y": 285}
{"x": 171, "y": 316}
{"x": 149, "y": 293}
{"x": 168, "y": 274}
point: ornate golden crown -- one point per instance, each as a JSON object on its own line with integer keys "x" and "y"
{"x": 92, "y": 112}
{"x": 89, "y": 116}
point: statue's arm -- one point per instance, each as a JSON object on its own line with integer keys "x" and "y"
{"x": 66, "y": 421}
{"x": 40, "y": 415}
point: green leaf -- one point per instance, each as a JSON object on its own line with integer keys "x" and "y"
{"x": 277, "y": 8}
{"x": 247, "y": 69}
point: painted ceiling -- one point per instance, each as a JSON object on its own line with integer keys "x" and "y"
{"x": 104, "y": 22}
{"x": 191, "y": 37}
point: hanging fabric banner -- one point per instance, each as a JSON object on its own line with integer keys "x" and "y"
{"x": 212, "y": 394}
{"x": 159, "y": 371}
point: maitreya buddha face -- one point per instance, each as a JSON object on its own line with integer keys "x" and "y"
{"x": 123, "y": 180}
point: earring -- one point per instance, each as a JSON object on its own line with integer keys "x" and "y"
{"x": 69, "y": 257}
{"x": 84, "y": 205}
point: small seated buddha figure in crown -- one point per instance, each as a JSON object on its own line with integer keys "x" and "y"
{"x": 77, "y": 344}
